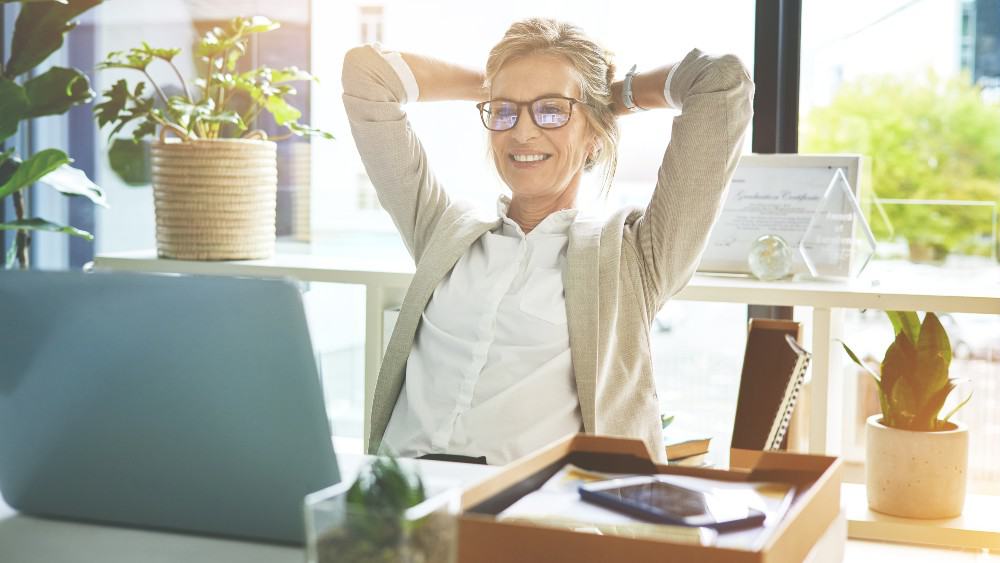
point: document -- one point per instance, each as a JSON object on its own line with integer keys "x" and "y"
{"x": 557, "y": 504}
{"x": 764, "y": 201}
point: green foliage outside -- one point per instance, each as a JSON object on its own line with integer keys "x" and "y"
{"x": 927, "y": 138}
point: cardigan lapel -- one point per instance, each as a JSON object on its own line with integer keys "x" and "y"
{"x": 443, "y": 251}
{"x": 581, "y": 283}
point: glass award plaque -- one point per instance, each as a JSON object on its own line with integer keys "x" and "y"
{"x": 838, "y": 241}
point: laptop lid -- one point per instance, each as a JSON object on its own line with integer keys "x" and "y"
{"x": 180, "y": 403}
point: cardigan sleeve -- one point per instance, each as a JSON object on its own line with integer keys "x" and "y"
{"x": 391, "y": 152}
{"x": 716, "y": 97}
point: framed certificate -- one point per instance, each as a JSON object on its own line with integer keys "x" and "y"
{"x": 777, "y": 194}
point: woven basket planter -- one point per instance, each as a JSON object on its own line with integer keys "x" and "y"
{"x": 215, "y": 199}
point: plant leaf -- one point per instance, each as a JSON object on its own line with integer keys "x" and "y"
{"x": 131, "y": 161}
{"x": 903, "y": 400}
{"x": 159, "y": 53}
{"x": 146, "y": 128}
{"x": 114, "y": 102}
{"x": 301, "y": 129}
{"x": 260, "y": 24}
{"x": 74, "y": 182}
{"x": 289, "y": 74}
{"x": 899, "y": 364}
{"x": 952, "y": 412}
{"x": 230, "y": 117}
{"x": 40, "y": 164}
{"x": 38, "y": 224}
{"x": 666, "y": 421}
{"x": 282, "y": 112}
{"x": 56, "y": 90}
{"x": 927, "y": 415}
{"x": 13, "y": 107}
{"x": 907, "y": 322}
{"x": 39, "y": 32}
{"x": 864, "y": 366}
{"x": 933, "y": 356}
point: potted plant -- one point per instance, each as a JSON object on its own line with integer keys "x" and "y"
{"x": 916, "y": 461}
{"x": 214, "y": 178}
{"x": 385, "y": 515}
{"x": 38, "y": 32}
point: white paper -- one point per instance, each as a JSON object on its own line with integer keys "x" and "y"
{"x": 764, "y": 200}
{"x": 558, "y": 504}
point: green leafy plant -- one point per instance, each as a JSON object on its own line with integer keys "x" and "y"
{"x": 208, "y": 111}
{"x": 375, "y": 529}
{"x": 914, "y": 383}
{"x": 39, "y": 31}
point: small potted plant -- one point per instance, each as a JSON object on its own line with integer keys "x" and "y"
{"x": 384, "y": 516}
{"x": 214, "y": 177}
{"x": 916, "y": 461}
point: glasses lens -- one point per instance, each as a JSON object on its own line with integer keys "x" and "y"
{"x": 499, "y": 115}
{"x": 550, "y": 113}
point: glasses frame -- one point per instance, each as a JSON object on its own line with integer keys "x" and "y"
{"x": 520, "y": 105}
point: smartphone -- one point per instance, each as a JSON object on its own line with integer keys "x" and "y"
{"x": 653, "y": 499}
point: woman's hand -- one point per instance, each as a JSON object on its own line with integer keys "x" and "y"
{"x": 439, "y": 80}
{"x": 647, "y": 90}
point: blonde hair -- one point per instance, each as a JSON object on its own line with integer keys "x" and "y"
{"x": 592, "y": 62}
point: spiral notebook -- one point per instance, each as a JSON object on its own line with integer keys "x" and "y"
{"x": 774, "y": 368}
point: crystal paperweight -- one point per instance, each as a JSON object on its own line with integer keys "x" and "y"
{"x": 838, "y": 241}
{"x": 770, "y": 258}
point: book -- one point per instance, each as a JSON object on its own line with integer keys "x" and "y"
{"x": 774, "y": 368}
{"x": 686, "y": 447}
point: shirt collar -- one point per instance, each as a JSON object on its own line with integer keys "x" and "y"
{"x": 557, "y": 223}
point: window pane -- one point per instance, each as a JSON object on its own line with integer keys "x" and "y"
{"x": 914, "y": 87}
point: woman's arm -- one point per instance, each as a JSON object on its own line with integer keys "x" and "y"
{"x": 391, "y": 152}
{"x": 439, "y": 80}
{"x": 715, "y": 95}
{"x": 647, "y": 90}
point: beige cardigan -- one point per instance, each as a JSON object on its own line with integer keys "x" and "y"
{"x": 619, "y": 272}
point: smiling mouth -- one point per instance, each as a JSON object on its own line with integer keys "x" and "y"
{"x": 529, "y": 157}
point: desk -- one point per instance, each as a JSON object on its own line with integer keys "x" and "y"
{"x": 25, "y": 539}
{"x": 385, "y": 284}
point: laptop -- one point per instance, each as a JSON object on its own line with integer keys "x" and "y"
{"x": 187, "y": 404}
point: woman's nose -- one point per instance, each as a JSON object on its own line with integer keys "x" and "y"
{"x": 525, "y": 128}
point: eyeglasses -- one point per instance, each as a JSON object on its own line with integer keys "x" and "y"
{"x": 549, "y": 112}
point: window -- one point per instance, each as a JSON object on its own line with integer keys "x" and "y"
{"x": 913, "y": 86}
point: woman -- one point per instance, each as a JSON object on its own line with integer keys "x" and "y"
{"x": 520, "y": 329}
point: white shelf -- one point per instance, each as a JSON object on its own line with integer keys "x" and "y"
{"x": 890, "y": 294}
{"x": 977, "y": 528}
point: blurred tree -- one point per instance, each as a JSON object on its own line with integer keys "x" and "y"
{"x": 928, "y": 138}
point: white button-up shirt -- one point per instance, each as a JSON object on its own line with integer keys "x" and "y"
{"x": 490, "y": 372}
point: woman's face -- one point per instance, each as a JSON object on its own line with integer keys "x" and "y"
{"x": 563, "y": 151}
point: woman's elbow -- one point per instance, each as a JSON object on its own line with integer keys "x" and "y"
{"x": 354, "y": 76}
{"x": 732, "y": 73}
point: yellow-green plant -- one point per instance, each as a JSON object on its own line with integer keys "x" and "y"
{"x": 914, "y": 383}
{"x": 208, "y": 111}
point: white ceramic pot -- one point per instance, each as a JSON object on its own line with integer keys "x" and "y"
{"x": 916, "y": 474}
